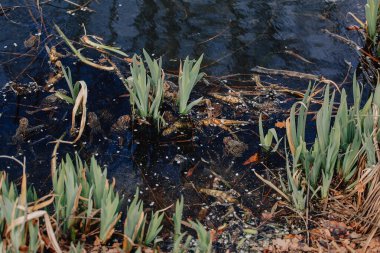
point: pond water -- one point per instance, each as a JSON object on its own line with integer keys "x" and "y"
{"x": 235, "y": 36}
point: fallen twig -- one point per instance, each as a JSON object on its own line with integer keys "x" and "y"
{"x": 79, "y": 55}
{"x": 289, "y": 73}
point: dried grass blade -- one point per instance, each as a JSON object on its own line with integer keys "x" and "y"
{"x": 273, "y": 187}
{"x": 49, "y": 228}
{"x": 41, "y": 205}
{"x": 289, "y": 136}
{"x": 81, "y": 101}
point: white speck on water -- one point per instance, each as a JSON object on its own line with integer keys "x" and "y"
{"x": 15, "y": 44}
{"x": 5, "y": 47}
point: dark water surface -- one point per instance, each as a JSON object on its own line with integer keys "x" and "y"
{"x": 235, "y": 36}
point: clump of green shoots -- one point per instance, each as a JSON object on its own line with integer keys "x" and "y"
{"x": 371, "y": 13}
{"x": 85, "y": 204}
{"x": 146, "y": 90}
{"x": 267, "y": 139}
{"x": 189, "y": 76}
{"x": 19, "y": 220}
{"x": 179, "y": 246}
{"x": 204, "y": 242}
{"x": 135, "y": 225}
{"x": 342, "y": 139}
{"x": 74, "y": 88}
{"x": 81, "y": 193}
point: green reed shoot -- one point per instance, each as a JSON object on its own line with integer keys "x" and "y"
{"x": 371, "y": 13}
{"x": 267, "y": 139}
{"x": 179, "y": 246}
{"x": 109, "y": 215}
{"x": 79, "y": 248}
{"x": 204, "y": 241}
{"x": 135, "y": 224}
{"x": 146, "y": 90}
{"x": 74, "y": 88}
{"x": 189, "y": 76}
{"x": 84, "y": 189}
{"x": 296, "y": 185}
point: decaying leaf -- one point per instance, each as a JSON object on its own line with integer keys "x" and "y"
{"x": 202, "y": 213}
{"x": 227, "y": 99}
{"x": 266, "y": 216}
{"x": 280, "y": 124}
{"x": 291, "y": 245}
{"x": 219, "y": 194}
{"x": 192, "y": 169}
{"x": 252, "y": 159}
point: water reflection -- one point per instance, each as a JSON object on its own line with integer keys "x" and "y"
{"x": 234, "y": 35}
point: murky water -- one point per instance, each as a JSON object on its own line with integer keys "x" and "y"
{"x": 235, "y": 36}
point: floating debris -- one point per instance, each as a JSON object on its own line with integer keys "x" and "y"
{"x": 228, "y": 99}
{"x": 224, "y": 196}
